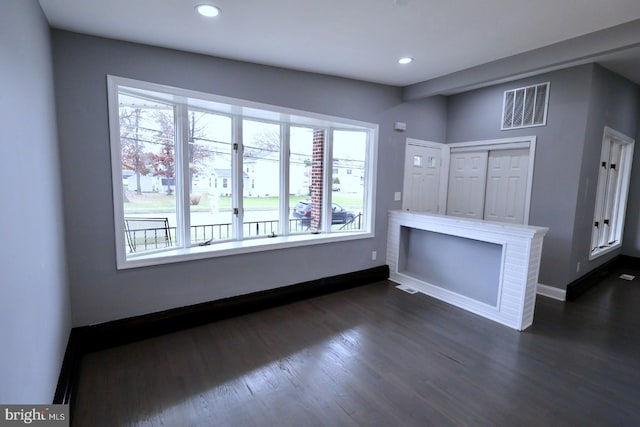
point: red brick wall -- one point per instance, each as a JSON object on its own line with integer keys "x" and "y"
{"x": 316, "y": 179}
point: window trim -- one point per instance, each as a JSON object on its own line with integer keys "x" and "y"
{"x": 621, "y": 196}
{"x": 243, "y": 109}
{"x": 239, "y": 247}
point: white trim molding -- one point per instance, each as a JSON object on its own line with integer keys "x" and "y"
{"x": 612, "y": 192}
{"x": 551, "y": 292}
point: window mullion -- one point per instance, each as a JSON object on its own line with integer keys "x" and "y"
{"x": 237, "y": 186}
{"x": 285, "y": 158}
{"x": 183, "y": 219}
{"x": 369, "y": 180}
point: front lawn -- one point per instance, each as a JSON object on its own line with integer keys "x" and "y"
{"x": 162, "y": 202}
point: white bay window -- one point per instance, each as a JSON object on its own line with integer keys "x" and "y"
{"x": 197, "y": 175}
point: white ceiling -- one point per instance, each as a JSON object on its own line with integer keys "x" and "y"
{"x": 360, "y": 39}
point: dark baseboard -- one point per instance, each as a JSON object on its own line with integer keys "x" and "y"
{"x": 69, "y": 370}
{"x": 630, "y": 262}
{"x": 87, "y": 339}
{"x": 583, "y": 284}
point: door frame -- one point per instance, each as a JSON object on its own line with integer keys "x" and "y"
{"x": 444, "y": 164}
{"x": 478, "y": 145}
{"x": 503, "y": 144}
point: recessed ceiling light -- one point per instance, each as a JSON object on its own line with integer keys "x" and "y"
{"x": 405, "y": 60}
{"x": 207, "y": 10}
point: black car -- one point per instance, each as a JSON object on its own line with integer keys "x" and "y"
{"x": 339, "y": 215}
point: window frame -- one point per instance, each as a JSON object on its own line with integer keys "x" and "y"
{"x": 238, "y": 109}
{"x": 607, "y": 203}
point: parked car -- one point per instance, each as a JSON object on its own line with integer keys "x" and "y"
{"x": 339, "y": 215}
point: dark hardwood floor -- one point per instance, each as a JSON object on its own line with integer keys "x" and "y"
{"x": 377, "y": 356}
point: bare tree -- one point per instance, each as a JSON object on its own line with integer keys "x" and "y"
{"x": 263, "y": 144}
{"x": 196, "y": 153}
{"x": 133, "y": 148}
{"x": 164, "y": 163}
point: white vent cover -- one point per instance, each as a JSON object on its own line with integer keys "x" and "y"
{"x": 525, "y": 107}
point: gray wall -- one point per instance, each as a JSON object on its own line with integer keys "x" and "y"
{"x": 426, "y": 255}
{"x": 631, "y": 241}
{"x": 613, "y": 102}
{"x": 476, "y": 115}
{"x": 582, "y": 101}
{"x": 35, "y": 317}
{"x": 100, "y": 292}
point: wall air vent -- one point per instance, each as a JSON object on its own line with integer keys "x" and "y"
{"x": 525, "y": 107}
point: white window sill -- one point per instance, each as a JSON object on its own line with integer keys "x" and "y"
{"x": 235, "y": 248}
{"x": 603, "y": 251}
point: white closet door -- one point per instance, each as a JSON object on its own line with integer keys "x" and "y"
{"x": 422, "y": 178}
{"x": 506, "y": 192}
{"x": 467, "y": 182}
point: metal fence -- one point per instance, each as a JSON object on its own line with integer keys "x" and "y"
{"x": 141, "y": 234}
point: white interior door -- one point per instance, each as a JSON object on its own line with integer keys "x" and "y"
{"x": 467, "y": 183}
{"x": 507, "y": 175}
{"x": 479, "y": 179}
{"x": 422, "y": 178}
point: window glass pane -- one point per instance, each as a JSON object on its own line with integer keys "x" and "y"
{"x": 210, "y": 163}
{"x": 348, "y": 180}
{"x": 261, "y": 178}
{"x": 300, "y": 165}
{"x": 147, "y": 143}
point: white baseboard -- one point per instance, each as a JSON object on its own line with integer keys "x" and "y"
{"x": 551, "y": 292}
